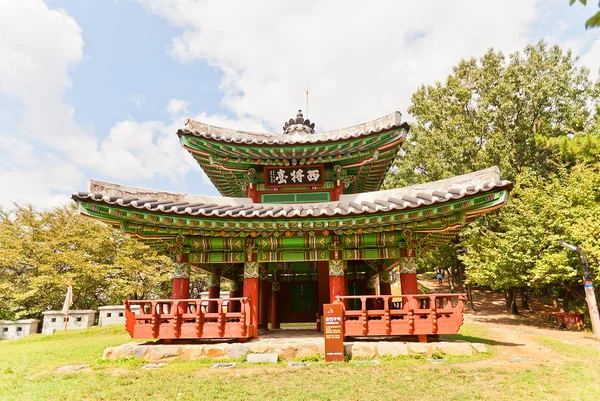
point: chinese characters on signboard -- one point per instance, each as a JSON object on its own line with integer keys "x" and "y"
{"x": 293, "y": 176}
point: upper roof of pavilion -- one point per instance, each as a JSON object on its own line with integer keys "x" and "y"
{"x": 226, "y": 154}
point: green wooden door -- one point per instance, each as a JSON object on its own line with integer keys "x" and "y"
{"x": 303, "y": 298}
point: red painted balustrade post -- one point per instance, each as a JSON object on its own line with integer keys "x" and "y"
{"x": 214, "y": 289}
{"x": 251, "y": 292}
{"x": 337, "y": 284}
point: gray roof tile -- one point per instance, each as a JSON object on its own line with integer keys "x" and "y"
{"x": 369, "y": 202}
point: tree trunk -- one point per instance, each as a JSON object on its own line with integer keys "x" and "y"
{"x": 507, "y": 299}
{"x": 525, "y": 300}
{"x": 566, "y": 299}
{"x": 511, "y": 301}
{"x": 448, "y": 274}
{"x": 461, "y": 277}
{"x": 470, "y": 296}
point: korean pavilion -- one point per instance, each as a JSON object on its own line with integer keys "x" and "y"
{"x": 302, "y": 222}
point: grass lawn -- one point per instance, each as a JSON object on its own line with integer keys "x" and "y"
{"x": 28, "y": 372}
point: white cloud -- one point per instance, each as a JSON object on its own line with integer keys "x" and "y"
{"x": 38, "y": 48}
{"x": 177, "y": 107}
{"x": 361, "y": 59}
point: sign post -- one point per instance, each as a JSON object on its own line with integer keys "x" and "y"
{"x": 334, "y": 332}
{"x": 588, "y": 286}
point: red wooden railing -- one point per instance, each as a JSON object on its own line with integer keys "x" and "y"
{"x": 188, "y": 319}
{"x": 418, "y": 314}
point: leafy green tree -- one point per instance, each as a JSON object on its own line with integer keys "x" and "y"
{"x": 594, "y": 20}
{"x": 495, "y": 111}
{"x": 41, "y": 250}
{"x": 523, "y": 251}
{"x": 531, "y": 114}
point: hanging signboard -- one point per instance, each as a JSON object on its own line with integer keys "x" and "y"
{"x": 334, "y": 332}
{"x": 294, "y": 176}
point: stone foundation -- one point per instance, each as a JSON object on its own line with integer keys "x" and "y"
{"x": 288, "y": 349}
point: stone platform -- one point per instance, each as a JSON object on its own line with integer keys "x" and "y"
{"x": 289, "y": 344}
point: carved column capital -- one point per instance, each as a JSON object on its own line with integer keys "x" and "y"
{"x": 408, "y": 266}
{"x": 337, "y": 267}
{"x": 251, "y": 269}
{"x": 182, "y": 270}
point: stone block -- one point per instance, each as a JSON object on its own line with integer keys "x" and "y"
{"x": 108, "y": 353}
{"x": 258, "y": 348}
{"x": 347, "y": 350}
{"x": 420, "y": 348}
{"x": 215, "y": 351}
{"x": 455, "y": 348}
{"x": 71, "y": 368}
{"x": 191, "y": 352}
{"x": 266, "y": 358}
{"x": 392, "y": 349}
{"x": 287, "y": 353}
{"x": 236, "y": 351}
{"x": 140, "y": 351}
{"x": 163, "y": 352}
{"x": 307, "y": 351}
{"x": 364, "y": 350}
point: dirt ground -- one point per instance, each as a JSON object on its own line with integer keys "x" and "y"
{"x": 513, "y": 338}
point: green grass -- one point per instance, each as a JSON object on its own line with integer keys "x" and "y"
{"x": 28, "y": 372}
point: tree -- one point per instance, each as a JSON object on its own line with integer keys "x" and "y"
{"x": 41, "y": 250}
{"x": 594, "y": 20}
{"x": 523, "y": 252}
{"x": 495, "y": 111}
{"x": 531, "y": 114}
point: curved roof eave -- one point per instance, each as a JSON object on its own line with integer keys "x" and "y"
{"x": 405, "y": 198}
{"x": 228, "y": 135}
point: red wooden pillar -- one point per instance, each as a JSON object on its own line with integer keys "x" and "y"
{"x": 408, "y": 276}
{"x": 275, "y": 290}
{"x": 337, "y": 284}
{"x": 234, "y": 292}
{"x": 265, "y": 287}
{"x": 385, "y": 283}
{"x": 251, "y": 292}
{"x": 181, "y": 281}
{"x": 214, "y": 290}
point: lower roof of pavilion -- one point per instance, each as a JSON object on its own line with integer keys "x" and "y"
{"x": 382, "y": 225}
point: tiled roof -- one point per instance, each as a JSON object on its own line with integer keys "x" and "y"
{"x": 369, "y": 202}
{"x": 199, "y": 129}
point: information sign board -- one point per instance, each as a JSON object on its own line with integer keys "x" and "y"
{"x": 334, "y": 332}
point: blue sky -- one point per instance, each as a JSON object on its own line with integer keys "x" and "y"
{"x": 97, "y": 89}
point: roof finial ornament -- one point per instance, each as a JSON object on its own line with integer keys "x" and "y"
{"x": 299, "y": 125}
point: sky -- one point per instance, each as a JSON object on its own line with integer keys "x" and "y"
{"x": 98, "y": 89}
